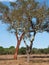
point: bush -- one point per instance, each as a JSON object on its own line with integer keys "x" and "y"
{"x": 12, "y": 50}
{"x": 1, "y": 50}
{"x": 22, "y": 50}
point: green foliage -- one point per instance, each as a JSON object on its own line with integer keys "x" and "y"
{"x": 34, "y": 51}
{"x": 12, "y": 47}
{"x": 1, "y": 50}
{"x": 12, "y": 50}
{"x": 40, "y": 51}
{"x": 6, "y": 51}
{"x": 3, "y": 8}
{"x": 22, "y": 50}
{"x": 21, "y": 12}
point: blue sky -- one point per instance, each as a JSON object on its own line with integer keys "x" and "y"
{"x": 7, "y": 39}
{"x": 8, "y": 0}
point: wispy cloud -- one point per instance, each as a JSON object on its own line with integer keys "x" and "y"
{"x": 7, "y": 0}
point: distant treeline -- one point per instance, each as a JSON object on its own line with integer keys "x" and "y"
{"x": 22, "y": 50}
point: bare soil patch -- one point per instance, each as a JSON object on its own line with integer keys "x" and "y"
{"x": 35, "y": 59}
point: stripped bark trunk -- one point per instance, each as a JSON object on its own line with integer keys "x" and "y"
{"x": 28, "y": 57}
{"x": 29, "y": 48}
{"x": 18, "y": 44}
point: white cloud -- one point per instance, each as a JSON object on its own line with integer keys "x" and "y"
{"x": 7, "y": 0}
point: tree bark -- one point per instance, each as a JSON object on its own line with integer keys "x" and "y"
{"x": 18, "y": 44}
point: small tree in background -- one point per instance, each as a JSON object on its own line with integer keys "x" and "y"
{"x": 22, "y": 50}
{"x": 1, "y": 50}
{"x": 19, "y": 16}
{"x": 11, "y": 50}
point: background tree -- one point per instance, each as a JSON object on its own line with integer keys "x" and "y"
{"x": 1, "y": 50}
{"x": 6, "y": 51}
{"x": 22, "y": 50}
{"x": 20, "y": 14}
{"x": 12, "y": 50}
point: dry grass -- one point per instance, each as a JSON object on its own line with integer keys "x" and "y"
{"x": 22, "y": 60}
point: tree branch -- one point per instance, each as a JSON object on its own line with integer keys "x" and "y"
{"x": 17, "y": 36}
{"x": 22, "y": 36}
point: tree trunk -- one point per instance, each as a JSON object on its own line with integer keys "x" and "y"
{"x": 18, "y": 44}
{"x": 28, "y": 57}
{"x": 17, "y": 48}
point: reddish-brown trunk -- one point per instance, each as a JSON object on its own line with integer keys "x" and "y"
{"x": 18, "y": 44}
{"x": 17, "y": 47}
